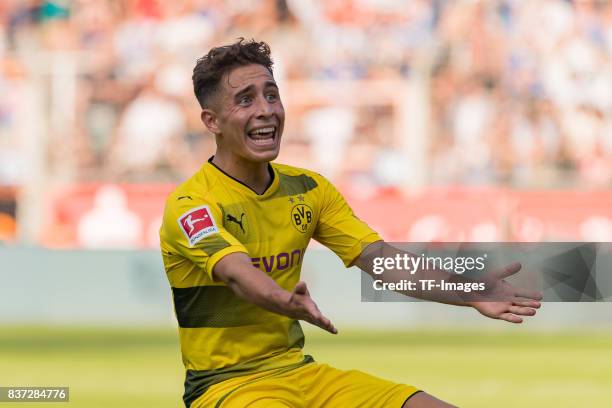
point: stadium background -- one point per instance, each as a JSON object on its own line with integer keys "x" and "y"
{"x": 439, "y": 120}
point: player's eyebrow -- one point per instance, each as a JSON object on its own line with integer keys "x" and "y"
{"x": 269, "y": 84}
{"x": 251, "y": 88}
{"x": 244, "y": 91}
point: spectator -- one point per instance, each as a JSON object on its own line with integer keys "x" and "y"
{"x": 506, "y": 76}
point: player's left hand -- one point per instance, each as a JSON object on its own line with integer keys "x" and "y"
{"x": 503, "y": 301}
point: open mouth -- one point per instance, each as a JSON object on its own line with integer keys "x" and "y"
{"x": 265, "y": 136}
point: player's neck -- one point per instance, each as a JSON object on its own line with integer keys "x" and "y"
{"x": 255, "y": 175}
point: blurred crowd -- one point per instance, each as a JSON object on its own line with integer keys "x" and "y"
{"x": 519, "y": 92}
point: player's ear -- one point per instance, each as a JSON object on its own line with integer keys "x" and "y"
{"x": 209, "y": 118}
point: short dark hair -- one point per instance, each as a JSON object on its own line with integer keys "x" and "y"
{"x": 210, "y": 68}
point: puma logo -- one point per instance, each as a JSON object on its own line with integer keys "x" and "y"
{"x": 231, "y": 218}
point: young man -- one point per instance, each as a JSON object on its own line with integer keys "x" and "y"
{"x": 233, "y": 239}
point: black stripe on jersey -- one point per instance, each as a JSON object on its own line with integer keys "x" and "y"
{"x": 214, "y": 306}
{"x": 293, "y": 185}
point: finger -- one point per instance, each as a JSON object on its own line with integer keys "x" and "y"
{"x": 314, "y": 314}
{"x": 522, "y": 311}
{"x": 527, "y": 303}
{"x": 319, "y": 320}
{"x": 328, "y": 326}
{"x": 313, "y": 311}
{"x": 324, "y": 323}
{"x": 301, "y": 288}
{"x": 528, "y": 293}
{"x": 509, "y": 317}
{"x": 508, "y": 270}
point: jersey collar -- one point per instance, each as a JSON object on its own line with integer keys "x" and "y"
{"x": 243, "y": 187}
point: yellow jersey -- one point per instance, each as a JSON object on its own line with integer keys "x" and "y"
{"x": 212, "y": 215}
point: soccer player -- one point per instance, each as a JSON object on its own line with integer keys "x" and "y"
{"x": 233, "y": 240}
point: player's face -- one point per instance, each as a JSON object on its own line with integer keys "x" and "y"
{"x": 250, "y": 117}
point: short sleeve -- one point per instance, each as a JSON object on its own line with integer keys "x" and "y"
{"x": 338, "y": 228}
{"x": 195, "y": 231}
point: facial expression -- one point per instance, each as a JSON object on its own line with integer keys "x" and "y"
{"x": 249, "y": 116}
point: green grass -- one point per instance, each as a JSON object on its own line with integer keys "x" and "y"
{"x": 142, "y": 368}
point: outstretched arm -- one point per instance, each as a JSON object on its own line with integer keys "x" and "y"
{"x": 500, "y": 300}
{"x": 253, "y": 285}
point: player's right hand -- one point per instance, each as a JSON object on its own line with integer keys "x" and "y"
{"x": 301, "y": 306}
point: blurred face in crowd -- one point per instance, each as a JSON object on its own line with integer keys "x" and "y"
{"x": 247, "y": 117}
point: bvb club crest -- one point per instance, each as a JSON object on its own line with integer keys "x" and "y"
{"x": 301, "y": 216}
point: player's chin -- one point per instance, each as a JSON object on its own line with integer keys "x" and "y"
{"x": 263, "y": 154}
{"x": 264, "y": 157}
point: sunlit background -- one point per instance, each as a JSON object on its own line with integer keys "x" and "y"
{"x": 461, "y": 120}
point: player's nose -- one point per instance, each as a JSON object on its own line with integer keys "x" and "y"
{"x": 264, "y": 109}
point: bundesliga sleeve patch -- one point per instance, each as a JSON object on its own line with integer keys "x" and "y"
{"x": 197, "y": 224}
